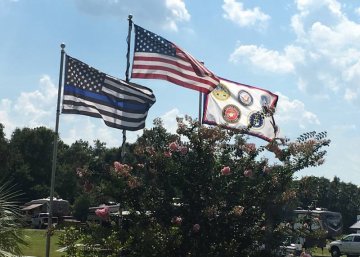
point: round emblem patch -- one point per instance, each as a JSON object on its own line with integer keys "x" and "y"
{"x": 245, "y": 98}
{"x": 221, "y": 92}
{"x": 256, "y": 120}
{"x": 231, "y": 113}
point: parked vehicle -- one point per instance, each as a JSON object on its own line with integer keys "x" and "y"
{"x": 326, "y": 220}
{"x": 348, "y": 245}
{"x": 40, "y": 220}
{"x": 60, "y": 208}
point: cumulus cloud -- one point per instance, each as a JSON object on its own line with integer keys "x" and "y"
{"x": 75, "y": 127}
{"x": 294, "y": 111}
{"x": 269, "y": 60}
{"x": 324, "y": 55}
{"x": 235, "y": 12}
{"x": 166, "y": 13}
{"x": 306, "y": 6}
{"x": 178, "y": 13}
{"x": 169, "y": 119}
{"x": 35, "y": 105}
{"x": 357, "y": 11}
{"x": 350, "y": 95}
{"x": 5, "y": 109}
{"x": 35, "y": 108}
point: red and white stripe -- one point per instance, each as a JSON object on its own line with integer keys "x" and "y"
{"x": 182, "y": 70}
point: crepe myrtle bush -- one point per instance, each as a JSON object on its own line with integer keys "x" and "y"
{"x": 204, "y": 191}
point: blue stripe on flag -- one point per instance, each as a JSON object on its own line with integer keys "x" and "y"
{"x": 100, "y": 98}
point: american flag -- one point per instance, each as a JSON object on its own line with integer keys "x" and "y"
{"x": 90, "y": 92}
{"x": 158, "y": 58}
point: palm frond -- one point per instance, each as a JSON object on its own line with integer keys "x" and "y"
{"x": 11, "y": 234}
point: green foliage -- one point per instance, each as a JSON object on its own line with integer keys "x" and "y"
{"x": 81, "y": 207}
{"x": 334, "y": 195}
{"x": 201, "y": 192}
{"x": 30, "y": 158}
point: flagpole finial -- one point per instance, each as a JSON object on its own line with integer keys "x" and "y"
{"x": 62, "y": 46}
{"x": 130, "y": 17}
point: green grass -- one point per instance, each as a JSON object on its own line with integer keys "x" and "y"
{"x": 37, "y": 243}
{"x": 317, "y": 252}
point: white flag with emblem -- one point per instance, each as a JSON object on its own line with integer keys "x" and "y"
{"x": 242, "y": 107}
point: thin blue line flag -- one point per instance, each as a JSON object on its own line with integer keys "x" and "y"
{"x": 121, "y": 104}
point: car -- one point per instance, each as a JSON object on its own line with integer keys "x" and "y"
{"x": 348, "y": 245}
{"x": 40, "y": 220}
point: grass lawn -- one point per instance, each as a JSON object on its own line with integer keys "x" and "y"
{"x": 37, "y": 243}
{"x": 317, "y": 252}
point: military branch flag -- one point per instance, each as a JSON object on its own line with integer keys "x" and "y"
{"x": 90, "y": 92}
{"x": 158, "y": 58}
{"x": 238, "y": 106}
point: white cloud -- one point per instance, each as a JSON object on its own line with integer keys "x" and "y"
{"x": 269, "y": 60}
{"x": 5, "y": 110}
{"x": 76, "y": 127}
{"x": 235, "y": 12}
{"x": 37, "y": 108}
{"x": 342, "y": 128}
{"x": 307, "y": 6}
{"x": 324, "y": 55}
{"x": 357, "y": 11}
{"x": 169, "y": 119}
{"x": 165, "y": 13}
{"x": 294, "y": 111}
{"x": 34, "y": 109}
{"x": 35, "y": 105}
{"x": 350, "y": 95}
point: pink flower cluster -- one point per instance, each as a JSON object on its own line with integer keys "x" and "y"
{"x": 103, "y": 213}
{"x": 248, "y": 173}
{"x": 133, "y": 182}
{"x": 175, "y": 147}
{"x": 273, "y": 147}
{"x": 88, "y": 186}
{"x": 305, "y": 254}
{"x": 196, "y": 228}
{"x": 176, "y": 220}
{"x": 249, "y": 148}
{"x": 122, "y": 169}
{"x": 150, "y": 150}
{"x": 225, "y": 171}
{"x": 238, "y": 210}
{"x": 80, "y": 172}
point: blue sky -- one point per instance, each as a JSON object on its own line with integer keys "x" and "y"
{"x": 306, "y": 51}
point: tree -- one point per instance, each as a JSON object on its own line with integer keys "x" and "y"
{"x": 201, "y": 192}
{"x": 333, "y": 195}
{"x": 4, "y": 154}
{"x": 30, "y": 157}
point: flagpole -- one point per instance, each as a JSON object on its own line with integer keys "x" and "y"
{"x": 128, "y": 40}
{"x": 56, "y": 136}
{"x": 200, "y": 107}
{"x": 200, "y": 102}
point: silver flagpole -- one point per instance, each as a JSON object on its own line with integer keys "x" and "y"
{"x": 200, "y": 103}
{"x": 128, "y": 40}
{"x": 200, "y": 107}
{"x": 56, "y": 136}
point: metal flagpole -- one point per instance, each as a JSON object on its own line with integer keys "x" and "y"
{"x": 200, "y": 106}
{"x": 128, "y": 40}
{"x": 56, "y": 136}
{"x": 200, "y": 103}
